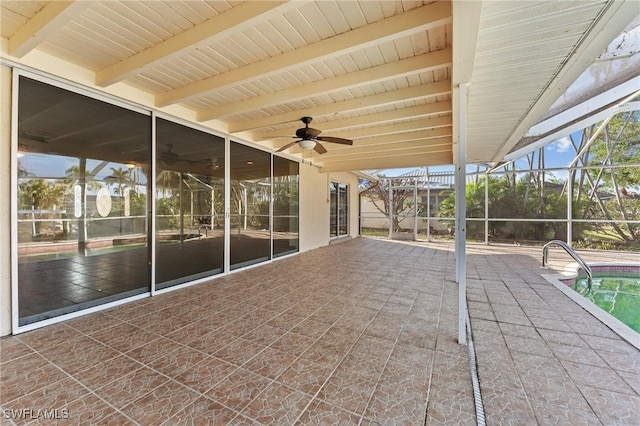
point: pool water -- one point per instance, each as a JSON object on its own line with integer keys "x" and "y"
{"x": 615, "y": 293}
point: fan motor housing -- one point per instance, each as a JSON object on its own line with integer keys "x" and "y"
{"x": 307, "y": 133}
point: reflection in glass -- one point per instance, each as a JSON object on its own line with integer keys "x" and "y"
{"x": 189, "y": 204}
{"x": 82, "y": 201}
{"x": 285, "y": 206}
{"x": 250, "y": 202}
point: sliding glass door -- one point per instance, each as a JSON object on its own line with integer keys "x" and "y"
{"x": 82, "y": 236}
{"x": 86, "y": 190}
{"x": 339, "y": 209}
{"x": 250, "y": 205}
{"x": 189, "y": 204}
{"x": 285, "y": 206}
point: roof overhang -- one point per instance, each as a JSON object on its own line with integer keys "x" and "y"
{"x": 382, "y": 73}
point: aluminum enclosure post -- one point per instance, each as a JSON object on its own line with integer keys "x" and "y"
{"x": 461, "y": 213}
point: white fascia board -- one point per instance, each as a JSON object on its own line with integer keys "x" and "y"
{"x": 566, "y": 131}
{"x": 621, "y": 91}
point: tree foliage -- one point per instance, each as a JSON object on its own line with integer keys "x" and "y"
{"x": 613, "y": 193}
{"x": 511, "y": 197}
{"x": 401, "y": 202}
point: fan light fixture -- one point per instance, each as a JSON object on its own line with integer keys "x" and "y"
{"x": 310, "y": 138}
{"x": 307, "y": 144}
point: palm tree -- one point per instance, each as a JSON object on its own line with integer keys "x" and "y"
{"x": 120, "y": 177}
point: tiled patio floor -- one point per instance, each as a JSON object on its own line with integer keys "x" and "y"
{"x": 542, "y": 359}
{"x": 362, "y": 332}
{"x": 359, "y": 332}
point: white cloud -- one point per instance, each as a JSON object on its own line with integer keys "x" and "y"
{"x": 563, "y": 145}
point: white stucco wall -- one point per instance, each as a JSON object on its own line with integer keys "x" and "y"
{"x": 5, "y": 195}
{"x": 315, "y": 205}
{"x": 314, "y": 208}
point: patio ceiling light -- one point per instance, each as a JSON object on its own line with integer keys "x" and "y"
{"x": 307, "y": 144}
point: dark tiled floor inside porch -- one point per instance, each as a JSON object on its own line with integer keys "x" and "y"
{"x": 362, "y": 332}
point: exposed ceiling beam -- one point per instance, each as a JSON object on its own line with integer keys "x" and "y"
{"x": 407, "y": 126}
{"x": 415, "y": 64}
{"x": 420, "y": 135}
{"x": 386, "y": 98}
{"x": 466, "y": 26}
{"x": 362, "y": 120}
{"x": 381, "y": 155}
{"x": 424, "y": 136}
{"x": 245, "y": 15}
{"x": 420, "y": 19}
{"x": 401, "y": 137}
{"x": 426, "y": 145}
{"x": 48, "y": 20}
{"x": 388, "y": 162}
{"x": 615, "y": 16}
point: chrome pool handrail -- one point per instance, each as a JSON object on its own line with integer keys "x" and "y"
{"x": 572, "y": 253}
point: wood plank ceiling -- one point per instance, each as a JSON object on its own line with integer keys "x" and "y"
{"x": 378, "y": 72}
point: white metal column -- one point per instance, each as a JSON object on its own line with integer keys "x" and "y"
{"x": 486, "y": 208}
{"x": 461, "y": 213}
{"x": 415, "y": 211}
{"x": 390, "y": 209}
{"x": 151, "y": 198}
{"x": 227, "y": 204}
{"x": 569, "y": 206}
{"x": 428, "y": 207}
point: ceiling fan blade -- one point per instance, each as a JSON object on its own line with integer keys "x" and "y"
{"x": 287, "y": 146}
{"x": 319, "y": 148}
{"x": 335, "y": 140}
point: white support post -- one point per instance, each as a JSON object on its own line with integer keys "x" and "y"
{"x": 428, "y": 207}
{"x": 486, "y": 209}
{"x": 151, "y": 201}
{"x": 227, "y": 205}
{"x": 390, "y": 209}
{"x": 461, "y": 213}
{"x": 415, "y": 211}
{"x": 569, "y": 207}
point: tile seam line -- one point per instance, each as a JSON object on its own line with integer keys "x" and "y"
{"x": 395, "y": 343}
{"x": 72, "y": 377}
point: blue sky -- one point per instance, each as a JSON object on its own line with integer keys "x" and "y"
{"x": 557, "y": 154}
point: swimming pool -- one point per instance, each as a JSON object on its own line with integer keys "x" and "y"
{"x": 614, "y": 298}
{"x": 617, "y": 293}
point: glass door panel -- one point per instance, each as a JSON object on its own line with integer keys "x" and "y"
{"x": 285, "y": 206}
{"x": 189, "y": 204}
{"x": 333, "y": 209}
{"x": 82, "y": 201}
{"x": 250, "y": 189}
{"x": 338, "y": 209}
{"x": 343, "y": 209}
